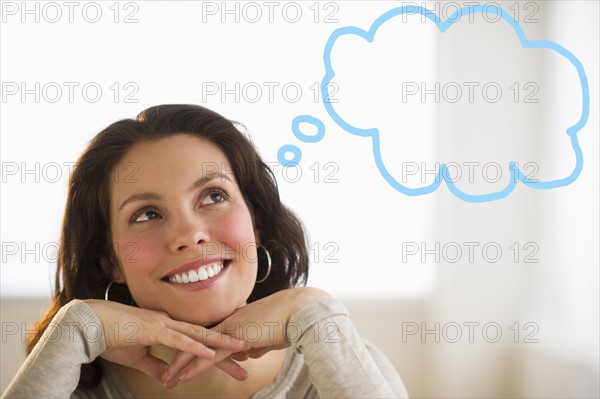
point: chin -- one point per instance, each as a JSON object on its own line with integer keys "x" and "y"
{"x": 205, "y": 319}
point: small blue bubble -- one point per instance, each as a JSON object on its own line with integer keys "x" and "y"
{"x": 287, "y": 149}
{"x": 313, "y": 121}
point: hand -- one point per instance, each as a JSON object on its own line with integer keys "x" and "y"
{"x": 265, "y": 324}
{"x": 130, "y": 331}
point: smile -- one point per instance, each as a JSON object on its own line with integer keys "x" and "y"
{"x": 202, "y": 273}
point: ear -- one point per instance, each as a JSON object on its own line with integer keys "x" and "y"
{"x": 112, "y": 270}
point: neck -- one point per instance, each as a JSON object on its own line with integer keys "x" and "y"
{"x": 211, "y": 383}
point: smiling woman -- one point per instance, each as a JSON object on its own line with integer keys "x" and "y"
{"x": 188, "y": 266}
{"x": 183, "y": 222}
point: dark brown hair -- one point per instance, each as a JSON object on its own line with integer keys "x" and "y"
{"x": 86, "y": 237}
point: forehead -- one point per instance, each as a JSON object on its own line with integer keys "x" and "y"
{"x": 173, "y": 150}
{"x": 170, "y": 163}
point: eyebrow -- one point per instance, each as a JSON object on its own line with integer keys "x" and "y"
{"x": 154, "y": 196}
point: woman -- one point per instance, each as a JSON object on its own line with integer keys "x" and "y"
{"x": 181, "y": 274}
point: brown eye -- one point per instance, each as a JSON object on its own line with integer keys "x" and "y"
{"x": 213, "y": 197}
{"x": 145, "y": 216}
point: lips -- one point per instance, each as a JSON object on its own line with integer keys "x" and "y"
{"x": 197, "y": 274}
{"x": 198, "y": 270}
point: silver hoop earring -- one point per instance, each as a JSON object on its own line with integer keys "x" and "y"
{"x": 132, "y": 303}
{"x": 262, "y": 280}
{"x": 107, "y": 289}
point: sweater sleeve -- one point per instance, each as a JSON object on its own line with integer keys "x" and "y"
{"x": 340, "y": 364}
{"x": 74, "y": 337}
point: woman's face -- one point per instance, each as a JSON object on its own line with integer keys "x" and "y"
{"x": 181, "y": 230}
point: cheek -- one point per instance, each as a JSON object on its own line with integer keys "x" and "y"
{"x": 235, "y": 229}
{"x": 138, "y": 256}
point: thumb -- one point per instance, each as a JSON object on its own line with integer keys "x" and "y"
{"x": 152, "y": 366}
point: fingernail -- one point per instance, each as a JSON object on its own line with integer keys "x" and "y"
{"x": 164, "y": 377}
{"x": 183, "y": 376}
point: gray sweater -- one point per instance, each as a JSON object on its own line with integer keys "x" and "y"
{"x": 328, "y": 359}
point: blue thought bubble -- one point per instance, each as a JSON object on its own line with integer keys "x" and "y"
{"x": 443, "y": 173}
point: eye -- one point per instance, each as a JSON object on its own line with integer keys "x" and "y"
{"x": 214, "y": 196}
{"x": 145, "y": 215}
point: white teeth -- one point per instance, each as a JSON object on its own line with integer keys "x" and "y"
{"x": 200, "y": 274}
{"x": 193, "y": 276}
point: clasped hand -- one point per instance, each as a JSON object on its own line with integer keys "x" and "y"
{"x": 251, "y": 331}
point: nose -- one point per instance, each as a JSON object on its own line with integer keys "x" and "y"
{"x": 187, "y": 232}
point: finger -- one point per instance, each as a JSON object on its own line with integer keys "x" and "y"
{"x": 171, "y": 385}
{"x": 240, "y": 356}
{"x": 179, "y": 361}
{"x": 258, "y": 352}
{"x": 151, "y": 366}
{"x": 182, "y": 360}
{"x": 233, "y": 369}
{"x": 227, "y": 365}
{"x": 208, "y": 337}
{"x": 198, "y": 365}
{"x": 184, "y": 343}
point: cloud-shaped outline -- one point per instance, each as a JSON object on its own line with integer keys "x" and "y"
{"x": 443, "y": 172}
